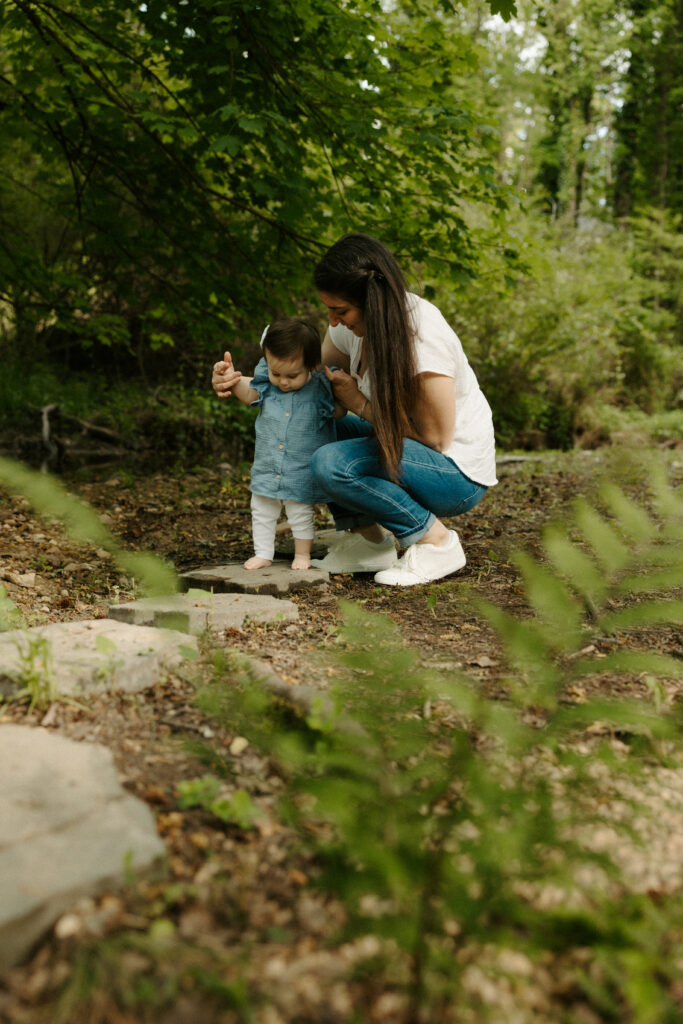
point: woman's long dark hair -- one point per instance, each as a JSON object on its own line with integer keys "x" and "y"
{"x": 363, "y": 272}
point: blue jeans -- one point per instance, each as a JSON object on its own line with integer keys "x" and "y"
{"x": 361, "y": 491}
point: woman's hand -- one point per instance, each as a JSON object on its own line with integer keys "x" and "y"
{"x": 345, "y": 388}
{"x": 225, "y": 377}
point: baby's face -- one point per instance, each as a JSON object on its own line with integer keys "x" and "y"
{"x": 287, "y": 374}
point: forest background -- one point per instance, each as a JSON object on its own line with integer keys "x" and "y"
{"x": 169, "y": 174}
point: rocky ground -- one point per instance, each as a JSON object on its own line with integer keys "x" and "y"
{"x": 232, "y": 927}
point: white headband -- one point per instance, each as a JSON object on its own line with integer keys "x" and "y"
{"x": 263, "y": 336}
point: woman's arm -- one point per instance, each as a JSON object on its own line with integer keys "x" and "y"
{"x": 434, "y": 416}
{"x": 332, "y": 356}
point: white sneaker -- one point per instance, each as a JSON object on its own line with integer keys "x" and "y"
{"x": 425, "y": 562}
{"x": 356, "y": 554}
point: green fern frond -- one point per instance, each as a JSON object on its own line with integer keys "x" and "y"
{"x": 667, "y": 501}
{"x": 631, "y": 662}
{"x": 553, "y": 603}
{"x": 652, "y": 582}
{"x": 644, "y": 614}
{"x": 607, "y": 547}
{"x": 577, "y": 568}
{"x": 49, "y": 497}
{"x": 634, "y": 522}
{"x": 530, "y": 655}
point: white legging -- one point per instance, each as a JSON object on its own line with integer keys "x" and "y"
{"x": 265, "y": 513}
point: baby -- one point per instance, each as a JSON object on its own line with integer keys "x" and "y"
{"x": 296, "y": 416}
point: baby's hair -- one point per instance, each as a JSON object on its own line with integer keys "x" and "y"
{"x": 290, "y": 337}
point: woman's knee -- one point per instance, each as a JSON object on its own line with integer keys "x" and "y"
{"x": 470, "y": 500}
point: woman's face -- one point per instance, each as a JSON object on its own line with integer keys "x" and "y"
{"x": 342, "y": 312}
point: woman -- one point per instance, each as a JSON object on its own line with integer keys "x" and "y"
{"x": 421, "y": 444}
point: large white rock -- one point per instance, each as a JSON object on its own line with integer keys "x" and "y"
{"x": 89, "y": 656}
{"x": 67, "y": 829}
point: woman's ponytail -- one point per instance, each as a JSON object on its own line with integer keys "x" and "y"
{"x": 363, "y": 272}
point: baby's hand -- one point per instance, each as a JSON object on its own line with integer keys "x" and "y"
{"x": 224, "y": 376}
{"x": 344, "y": 386}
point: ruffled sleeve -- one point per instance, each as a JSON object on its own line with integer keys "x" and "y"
{"x": 325, "y": 400}
{"x": 260, "y": 381}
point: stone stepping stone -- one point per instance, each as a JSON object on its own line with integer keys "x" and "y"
{"x": 69, "y": 830}
{"x": 277, "y": 579}
{"x": 89, "y": 657}
{"x": 194, "y": 613}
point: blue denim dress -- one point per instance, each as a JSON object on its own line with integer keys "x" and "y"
{"x": 290, "y": 426}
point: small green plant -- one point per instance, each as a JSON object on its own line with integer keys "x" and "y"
{"x": 207, "y": 793}
{"x": 138, "y": 977}
{"x": 108, "y": 649}
{"x": 35, "y": 666}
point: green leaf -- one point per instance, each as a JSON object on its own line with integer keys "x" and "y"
{"x": 575, "y": 566}
{"x": 646, "y": 614}
{"x": 635, "y": 522}
{"x": 603, "y": 539}
{"x": 506, "y": 8}
{"x": 230, "y": 144}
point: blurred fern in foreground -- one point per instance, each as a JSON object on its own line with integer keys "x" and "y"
{"x": 452, "y": 824}
{"x": 588, "y": 588}
{"x": 48, "y": 497}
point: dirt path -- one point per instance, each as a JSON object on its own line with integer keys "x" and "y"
{"x": 227, "y": 890}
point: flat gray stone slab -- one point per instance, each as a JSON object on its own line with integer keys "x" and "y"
{"x": 194, "y": 614}
{"x": 69, "y": 830}
{"x": 233, "y": 578}
{"x": 89, "y": 657}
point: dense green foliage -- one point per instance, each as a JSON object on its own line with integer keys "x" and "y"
{"x": 183, "y": 164}
{"x": 170, "y": 172}
{"x": 649, "y": 156}
{"x": 594, "y": 329}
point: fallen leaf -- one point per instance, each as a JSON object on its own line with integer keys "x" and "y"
{"x": 155, "y": 795}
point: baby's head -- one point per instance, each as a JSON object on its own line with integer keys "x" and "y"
{"x": 292, "y": 351}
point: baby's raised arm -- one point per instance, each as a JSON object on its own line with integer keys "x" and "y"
{"x": 226, "y": 381}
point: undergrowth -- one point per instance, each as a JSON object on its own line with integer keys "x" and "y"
{"x": 456, "y": 828}
{"x": 172, "y": 415}
{"x": 449, "y": 823}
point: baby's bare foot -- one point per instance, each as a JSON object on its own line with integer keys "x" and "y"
{"x": 257, "y": 563}
{"x": 301, "y": 562}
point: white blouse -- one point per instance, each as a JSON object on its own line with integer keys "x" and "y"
{"x": 439, "y": 350}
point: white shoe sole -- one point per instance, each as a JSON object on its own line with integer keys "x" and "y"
{"x": 383, "y": 564}
{"x": 403, "y": 577}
